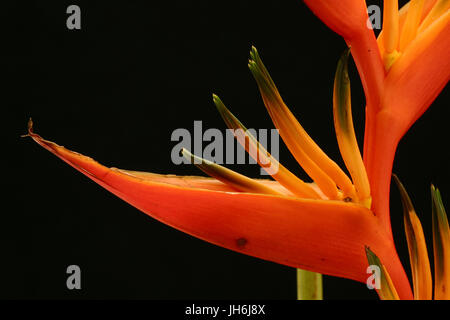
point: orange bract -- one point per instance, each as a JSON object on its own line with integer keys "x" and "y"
{"x": 282, "y": 229}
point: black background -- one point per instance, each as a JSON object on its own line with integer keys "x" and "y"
{"x": 115, "y": 90}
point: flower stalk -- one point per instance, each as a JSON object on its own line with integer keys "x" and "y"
{"x": 309, "y": 285}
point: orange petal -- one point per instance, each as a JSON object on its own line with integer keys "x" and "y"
{"x": 390, "y": 25}
{"x": 391, "y": 32}
{"x": 438, "y": 9}
{"x": 412, "y": 22}
{"x": 316, "y": 235}
{"x": 403, "y": 13}
{"x": 419, "y": 75}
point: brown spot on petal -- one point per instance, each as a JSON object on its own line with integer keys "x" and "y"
{"x": 241, "y": 242}
{"x": 347, "y": 199}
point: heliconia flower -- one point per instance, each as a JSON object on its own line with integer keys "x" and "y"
{"x": 418, "y": 254}
{"x": 402, "y": 73}
{"x": 323, "y": 226}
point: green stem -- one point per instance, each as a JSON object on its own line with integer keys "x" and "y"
{"x": 309, "y": 285}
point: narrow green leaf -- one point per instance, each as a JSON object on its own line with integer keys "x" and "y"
{"x": 227, "y": 176}
{"x": 345, "y": 132}
{"x": 386, "y": 291}
{"x": 418, "y": 254}
{"x": 441, "y": 246}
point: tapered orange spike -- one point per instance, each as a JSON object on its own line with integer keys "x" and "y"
{"x": 412, "y": 22}
{"x": 324, "y": 171}
{"x": 390, "y": 25}
{"x": 391, "y": 33}
{"x": 440, "y": 7}
{"x": 265, "y": 160}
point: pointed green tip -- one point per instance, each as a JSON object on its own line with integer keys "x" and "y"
{"x": 193, "y": 159}
{"x": 441, "y": 246}
{"x": 342, "y": 68}
{"x": 386, "y": 288}
{"x": 344, "y": 59}
{"x": 256, "y": 71}
{"x": 369, "y": 252}
{"x": 253, "y": 52}
{"x": 408, "y": 208}
{"x": 343, "y": 65}
{"x": 218, "y": 103}
{"x": 397, "y": 181}
{"x": 372, "y": 258}
{"x": 438, "y": 204}
{"x": 187, "y": 154}
{"x": 346, "y": 52}
{"x": 436, "y": 194}
{"x": 342, "y": 99}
